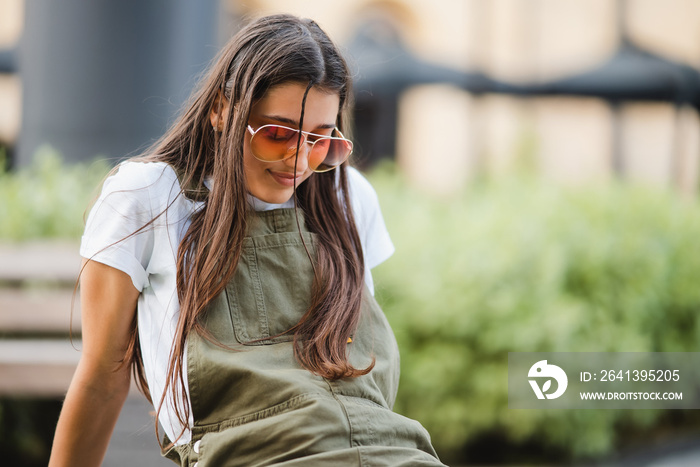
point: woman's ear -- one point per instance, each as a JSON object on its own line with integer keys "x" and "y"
{"x": 218, "y": 113}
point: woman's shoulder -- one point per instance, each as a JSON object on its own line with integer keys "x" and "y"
{"x": 148, "y": 183}
{"x": 361, "y": 190}
{"x": 369, "y": 220}
{"x": 135, "y": 174}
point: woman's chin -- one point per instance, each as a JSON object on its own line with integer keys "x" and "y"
{"x": 276, "y": 197}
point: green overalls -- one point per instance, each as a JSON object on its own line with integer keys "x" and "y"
{"x": 254, "y": 405}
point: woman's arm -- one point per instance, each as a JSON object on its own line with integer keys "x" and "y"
{"x": 98, "y": 389}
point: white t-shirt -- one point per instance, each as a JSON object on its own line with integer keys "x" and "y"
{"x": 136, "y": 194}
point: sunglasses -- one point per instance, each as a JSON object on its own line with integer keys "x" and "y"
{"x": 272, "y": 143}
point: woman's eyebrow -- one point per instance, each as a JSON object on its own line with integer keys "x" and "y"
{"x": 295, "y": 123}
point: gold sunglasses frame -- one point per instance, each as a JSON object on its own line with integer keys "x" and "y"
{"x": 306, "y": 135}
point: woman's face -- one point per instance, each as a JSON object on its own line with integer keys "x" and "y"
{"x": 273, "y": 182}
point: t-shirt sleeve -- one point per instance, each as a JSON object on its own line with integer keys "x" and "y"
{"x": 112, "y": 234}
{"x": 374, "y": 236}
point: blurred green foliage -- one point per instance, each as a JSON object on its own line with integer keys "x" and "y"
{"x": 48, "y": 198}
{"x": 520, "y": 265}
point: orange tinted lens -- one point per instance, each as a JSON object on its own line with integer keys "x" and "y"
{"x": 273, "y": 143}
{"x": 328, "y": 153}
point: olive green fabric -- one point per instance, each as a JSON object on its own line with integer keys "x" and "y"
{"x": 254, "y": 405}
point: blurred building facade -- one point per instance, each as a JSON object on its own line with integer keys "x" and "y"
{"x": 445, "y": 136}
{"x": 105, "y": 78}
{"x": 11, "y": 22}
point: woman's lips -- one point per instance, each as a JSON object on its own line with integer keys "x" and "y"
{"x": 286, "y": 179}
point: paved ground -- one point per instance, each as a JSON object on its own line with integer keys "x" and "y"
{"x": 677, "y": 453}
{"x": 688, "y": 459}
{"x": 134, "y": 441}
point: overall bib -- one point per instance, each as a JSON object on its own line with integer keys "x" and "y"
{"x": 254, "y": 405}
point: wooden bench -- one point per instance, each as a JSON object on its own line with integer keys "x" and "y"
{"x": 37, "y": 358}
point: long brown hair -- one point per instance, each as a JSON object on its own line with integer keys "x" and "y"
{"x": 268, "y": 52}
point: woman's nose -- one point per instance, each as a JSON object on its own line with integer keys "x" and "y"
{"x": 303, "y": 159}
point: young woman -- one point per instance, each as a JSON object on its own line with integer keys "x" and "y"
{"x": 230, "y": 269}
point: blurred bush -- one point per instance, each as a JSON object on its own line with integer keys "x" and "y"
{"x": 48, "y": 198}
{"x": 519, "y": 265}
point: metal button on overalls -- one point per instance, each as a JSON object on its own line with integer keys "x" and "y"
{"x": 253, "y": 404}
